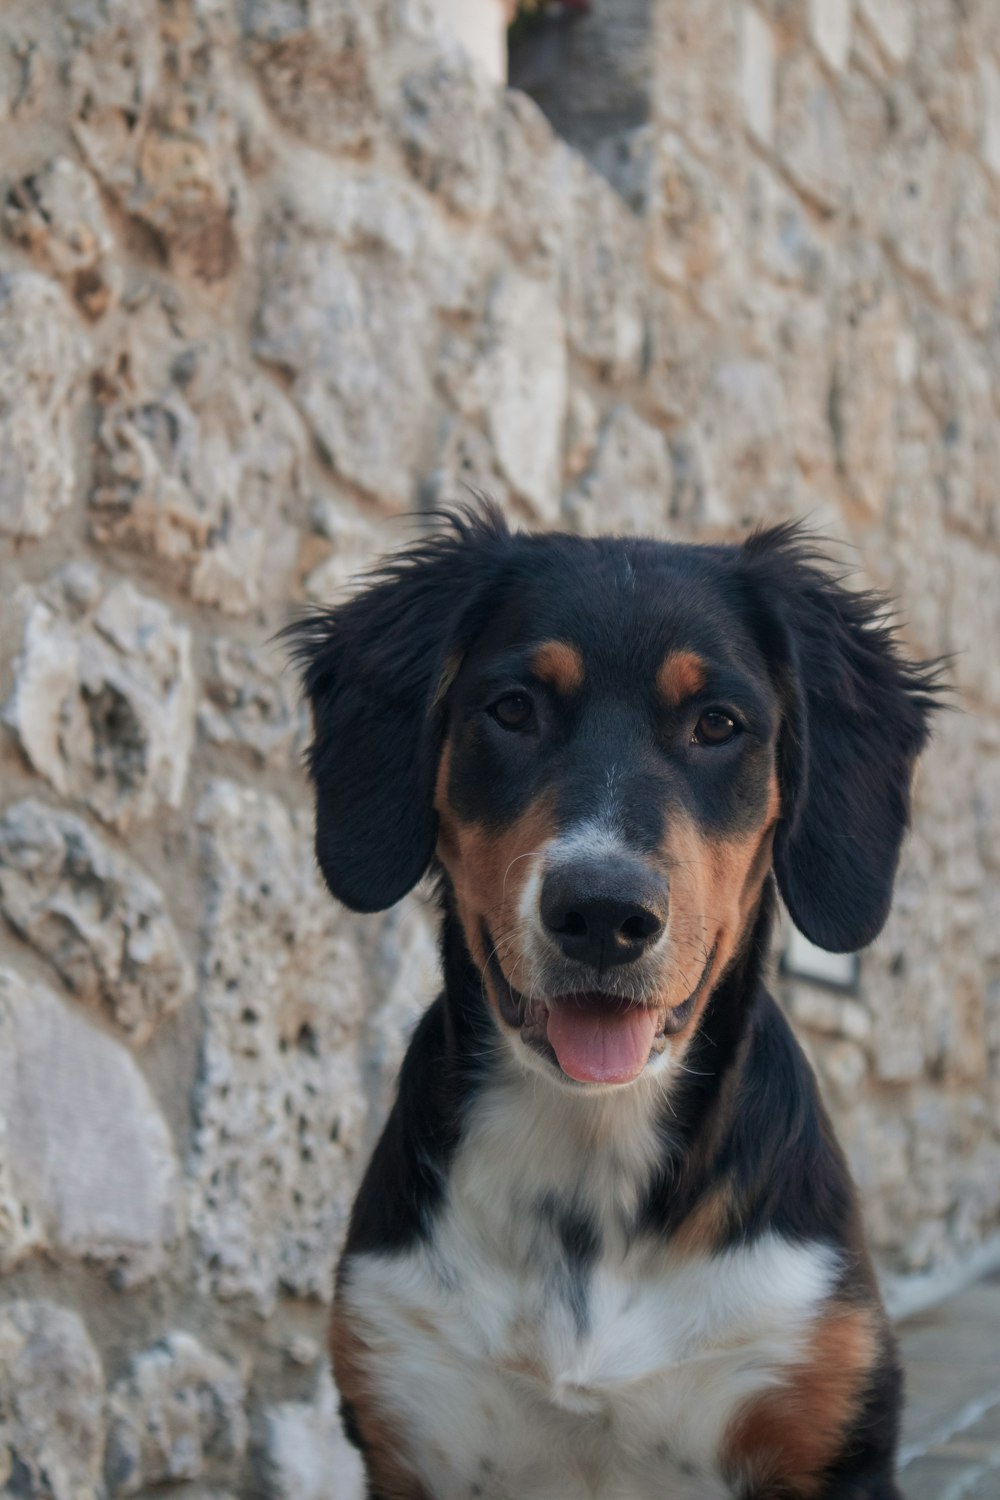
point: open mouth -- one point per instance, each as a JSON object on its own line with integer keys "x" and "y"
{"x": 591, "y": 1036}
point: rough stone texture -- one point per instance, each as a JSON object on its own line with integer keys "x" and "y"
{"x": 88, "y": 1168}
{"x": 104, "y": 698}
{"x": 178, "y": 1410}
{"x": 271, "y": 273}
{"x": 94, "y": 915}
{"x": 52, "y": 1406}
{"x": 279, "y": 1104}
{"x": 42, "y": 355}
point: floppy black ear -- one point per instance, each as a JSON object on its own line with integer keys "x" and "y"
{"x": 856, "y": 717}
{"x": 374, "y": 670}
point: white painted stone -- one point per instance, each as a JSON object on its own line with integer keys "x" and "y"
{"x": 830, "y": 31}
{"x": 757, "y": 74}
{"x": 94, "y": 1169}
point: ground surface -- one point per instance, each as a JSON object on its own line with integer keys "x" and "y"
{"x": 951, "y": 1443}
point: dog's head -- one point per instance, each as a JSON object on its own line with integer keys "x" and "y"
{"x": 607, "y": 745}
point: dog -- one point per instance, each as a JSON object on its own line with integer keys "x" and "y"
{"x": 607, "y": 1235}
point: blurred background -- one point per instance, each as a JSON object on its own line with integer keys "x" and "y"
{"x": 275, "y": 275}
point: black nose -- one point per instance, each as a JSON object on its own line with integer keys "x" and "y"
{"x": 603, "y": 912}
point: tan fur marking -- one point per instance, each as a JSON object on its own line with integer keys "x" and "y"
{"x": 681, "y": 675}
{"x": 790, "y": 1435}
{"x": 714, "y": 886}
{"x": 352, "y": 1359}
{"x": 560, "y": 665}
{"x": 705, "y": 1226}
{"x": 488, "y": 869}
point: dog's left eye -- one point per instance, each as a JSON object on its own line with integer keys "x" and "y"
{"x": 714, "y": 728}
{"x": 513, "y": 711}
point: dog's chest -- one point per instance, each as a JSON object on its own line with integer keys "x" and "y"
{"x": 532, "y": 1348}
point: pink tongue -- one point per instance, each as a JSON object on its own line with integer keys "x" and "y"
{"x": 598, "y": 1045}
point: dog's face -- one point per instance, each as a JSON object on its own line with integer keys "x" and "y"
{"x": 607, "y": 798}
{"x": 608, "y": 745}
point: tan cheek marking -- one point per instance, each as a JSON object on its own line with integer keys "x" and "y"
{"x": 488, "y": 869}
{"x": 714, "y": 888}
{"x": 681, "y": 675}
{"x": 352, "y": 1362}
{"x": 560, "y": 665}
{"x": 790, "y": 1435}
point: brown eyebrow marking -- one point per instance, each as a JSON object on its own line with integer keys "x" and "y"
{"x": 681, "y": 675}
{"x": 560, "y": 665}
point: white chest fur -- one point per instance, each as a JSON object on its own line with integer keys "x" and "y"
{"x": 532, "y": 1351}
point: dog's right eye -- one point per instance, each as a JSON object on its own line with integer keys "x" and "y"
{"x": 513, "y": 711}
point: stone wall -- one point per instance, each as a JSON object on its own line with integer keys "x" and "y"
{"x": 273, "y": 272}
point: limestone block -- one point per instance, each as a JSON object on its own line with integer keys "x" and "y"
{"x": 628, "y": 487}
{"x": 830, "y": 31}
{"x": 682, "y": 348}
{"x": 307, "y": 1456}
{"x": 466, "y": 464}
{"x": 742, "y": 427}
{"x": 943, "y": 67}
{"x": 202, "y": 466}
{"x": 537, "y": 176}
{"x": 862, "y": 398}
{"x": 989, "y": 114}
{"x": 250, "y": 704}
{"x": 52, "y": 1413}
{"x": 914, "y": 195}
{"x": 56, "y": 215}
{"x": 780, "y": 233}
{"x": 43, "y": 358}
{"x": 757, "y": 74}
{"x": 582, "y": 424}
{"x": 113, "y": 73}
{"x": 892, "y": 23}
{"x": 975, "y": 256}
{"x": 527, "y": 380}
{"x": 698, "y": 75}
{"x": 975, "y": 620}
{"x": 94, "y": 915}
{"x": 810, "y": 133}
{"x": 151, "y": 116}
{"x": 806, "y": 343}
{"x": 603, "y": 279}
{"x": 445, "y": 120}
{"x": 94, "y": 1169}
{"x": 317, "y": 62}
{"x": 694, "y": 226}
{"x": 352, "y": 541}
{"x": 176, "y": 1411}
{"x": 353, "y": 332}
{"x": 279, "y": 1105}
{"x": 104, "y": 697}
